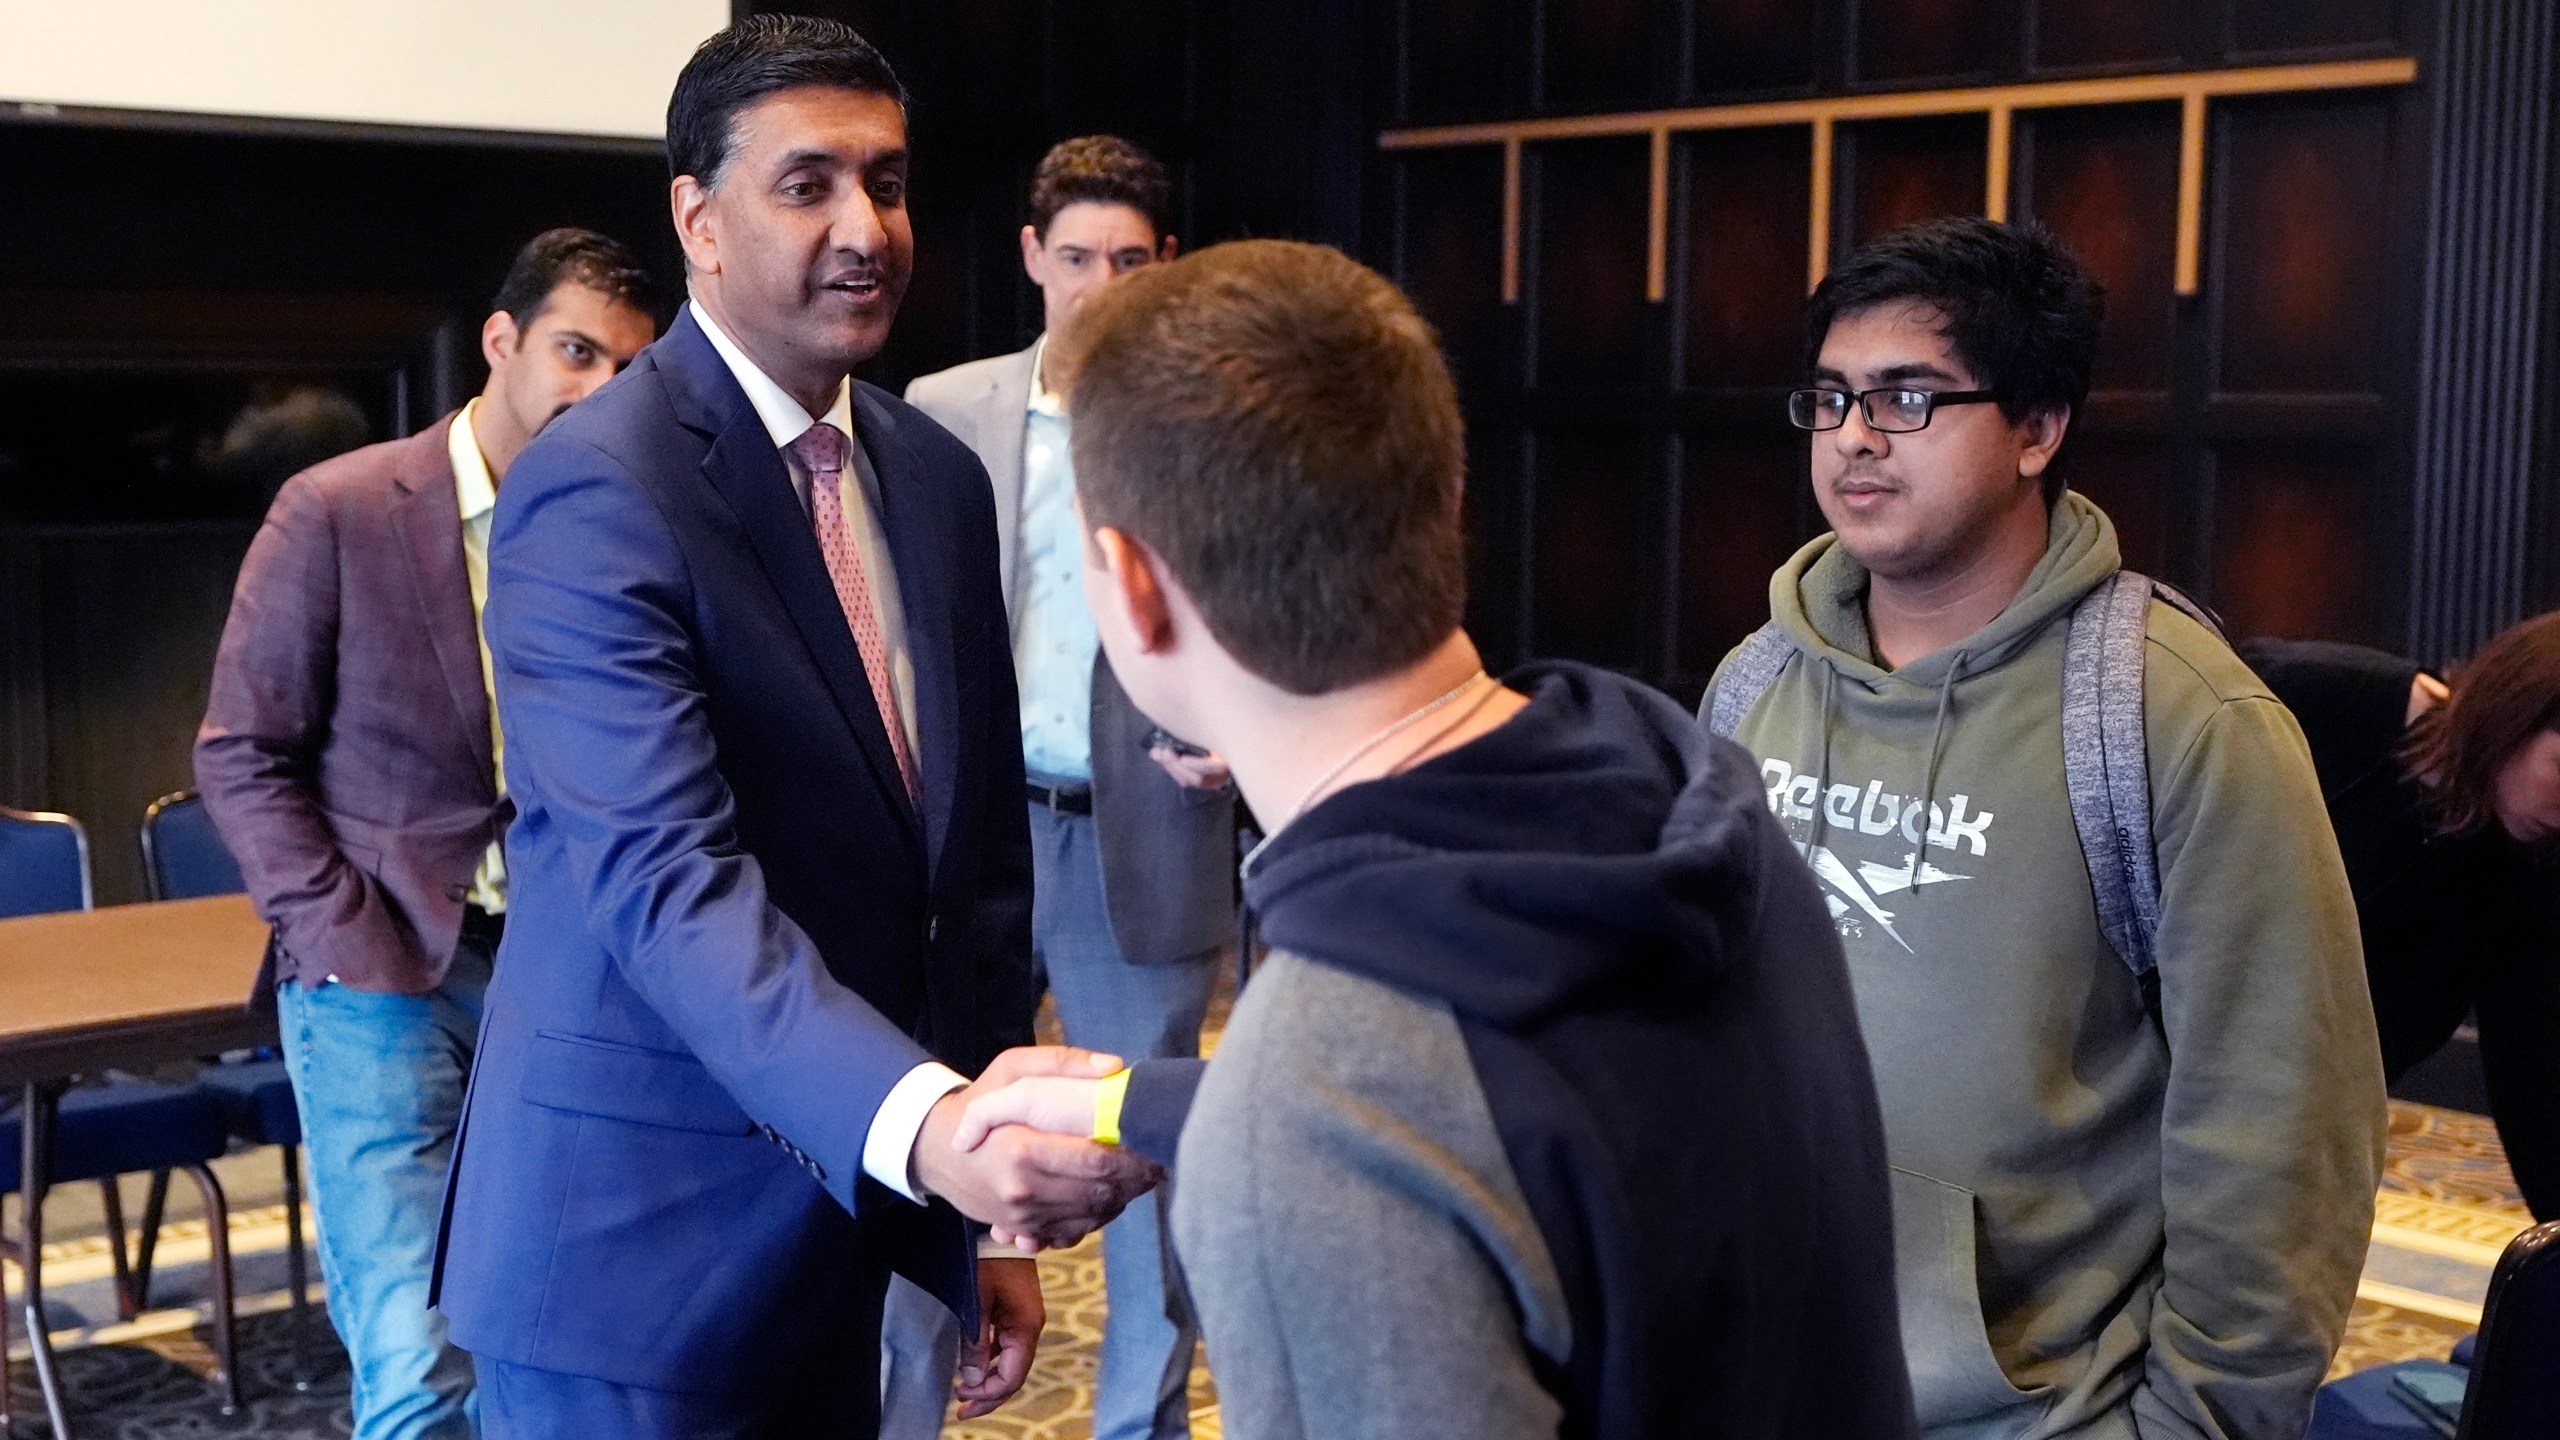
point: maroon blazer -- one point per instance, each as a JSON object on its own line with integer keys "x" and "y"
{"x": 345, "y": 752}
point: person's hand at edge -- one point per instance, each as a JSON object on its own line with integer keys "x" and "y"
{"x": 1192, "y": 772}
{"x": 1058, "y": 1104}
{"x": 994, "y": 1365}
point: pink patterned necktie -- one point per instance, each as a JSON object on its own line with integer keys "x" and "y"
{"x": 823, "y": 449}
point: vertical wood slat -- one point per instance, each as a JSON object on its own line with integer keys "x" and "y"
{"x": 1995, "y": 168}
{"x": 1818, "y": 262}
{"x": 1511, "y": 221}
{"x": 2483, "y": 290}
{"x": 2191, "y": 133}
{"x": 1657, "y": 254}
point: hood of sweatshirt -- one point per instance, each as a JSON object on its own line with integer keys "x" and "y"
{"x": 1593, "y": 842}
{"x": 1819, "y": 598}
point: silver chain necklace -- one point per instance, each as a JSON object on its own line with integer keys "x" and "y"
{"x": 1347, "y": 761}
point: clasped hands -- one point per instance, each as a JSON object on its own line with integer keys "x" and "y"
{"x": 1014, "y": 1150}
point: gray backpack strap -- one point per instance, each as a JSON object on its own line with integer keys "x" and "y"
{"x": 2106, "y": 769}
{"x": 1747, "y": 677}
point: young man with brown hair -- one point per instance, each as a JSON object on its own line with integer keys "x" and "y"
{"x": 1132, "y": 843}
{"x": 351, "y": 758}
{"x": 1547, "y": 1114}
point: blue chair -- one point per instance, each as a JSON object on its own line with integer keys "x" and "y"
{"x": 44, "y": 863}
{"x": 183, "y": 858}
{"x": 122, "y": 1127}
{"x": 2515, "y": 1380}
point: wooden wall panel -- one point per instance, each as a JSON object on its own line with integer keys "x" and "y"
{"x": 1749, "y": 47}
{"x": 1586, "y": 248}
{"x": 1598, "y": 542}
{"x": 2106, "y": 182}
{"x": 1934, "y": 42}
{"x": 1744, "y": 200}
{"x": 2290, "y": 27}
{"x": 2301, "y": 269}
{"x": 2296, "y": 550}
{"x": 1894, "y": 172}
{"x": 1448, "y": 253}
{"x": 1602, "y": 54}
{"x": 2129, "y": 477}
{"x": 1457, "y": 59}
{"x": 1744, "y": 498}
{"x": 2107, "y": 35}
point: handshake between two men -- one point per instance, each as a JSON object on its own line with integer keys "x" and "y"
{"x": 1012, "y": 1151}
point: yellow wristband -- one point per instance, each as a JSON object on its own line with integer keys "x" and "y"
{"x": 1107, "y": 1100}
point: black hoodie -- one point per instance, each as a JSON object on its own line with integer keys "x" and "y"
{"x": 1657, "y": 1012}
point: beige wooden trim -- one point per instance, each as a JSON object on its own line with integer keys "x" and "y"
{"x": 1995, "y": 166}
{"x": 1657, "y": 244}
{"x": 2192, "y": 89}
{"x": 1818, "y": 247}
{"x": 2043, "y": 95}
{"x": 2191, "y": 129}
{"x": 1511, "y": 222}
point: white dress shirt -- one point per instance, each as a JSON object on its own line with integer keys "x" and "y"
{"x": 478, "y": 495}
{"x": 890, "y": 1143}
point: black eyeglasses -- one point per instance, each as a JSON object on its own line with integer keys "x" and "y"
{"x": 1893, "y": 409}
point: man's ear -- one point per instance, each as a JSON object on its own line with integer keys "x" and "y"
{"x": 690, "y": 202}
{"x": 1134, "y": 584}
{"x": 1032, "y": 252}
{"x": 1170, "y": 248}
{"x": 499, "y": 338}
{"x": 2043, "y": 431}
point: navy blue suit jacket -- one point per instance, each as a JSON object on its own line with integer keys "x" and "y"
{"x": 729, "y": 933}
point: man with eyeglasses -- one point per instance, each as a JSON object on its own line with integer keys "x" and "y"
{"x": 2124, "y": 1204}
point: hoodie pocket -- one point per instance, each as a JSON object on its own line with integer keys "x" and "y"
{"x": 1954, "y": 1375}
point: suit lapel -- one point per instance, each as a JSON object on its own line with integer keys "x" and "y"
{"x": 748, "y": 472}
{"x": 1004, "y": 414}
{"x": 913, "y": 523}
{"x": 426, "y": 518}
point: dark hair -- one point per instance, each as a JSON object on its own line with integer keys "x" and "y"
{"x": 1274, "y": 421}
{"x": 2506, "y": 695}
{"x": 1105, "y": 170}
{"x": 752, "y": 59}
{"x": 2021, "y": 313}
{"x": 570, "y": 256}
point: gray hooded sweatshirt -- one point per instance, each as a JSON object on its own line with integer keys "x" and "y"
{"x": 2104, "y": 1226}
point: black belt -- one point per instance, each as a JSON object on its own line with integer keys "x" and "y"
{"x": 479, "y": 924}
{"x": 1075, "y": 797}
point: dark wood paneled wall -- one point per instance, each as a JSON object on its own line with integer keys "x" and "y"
{"x": 156, "y": 272}
{"x": 1634, "y": 485}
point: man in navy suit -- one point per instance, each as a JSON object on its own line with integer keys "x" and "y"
{"x": 771, "y": 874}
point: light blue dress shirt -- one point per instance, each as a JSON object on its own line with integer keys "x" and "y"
{"x": 1053, "y": 638}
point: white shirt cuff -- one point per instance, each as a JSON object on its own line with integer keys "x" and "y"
{"x": 889, "y": 1149}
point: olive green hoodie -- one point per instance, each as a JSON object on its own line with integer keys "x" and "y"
{"x": 2105, "y": 1226}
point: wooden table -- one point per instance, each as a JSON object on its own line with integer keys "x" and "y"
{"x": 125, "y": 987}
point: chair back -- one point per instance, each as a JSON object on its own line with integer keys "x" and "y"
{"x": 44, "y": 863}
{"x": 183, "y": 857}
{"x": 2515, "y": 1384}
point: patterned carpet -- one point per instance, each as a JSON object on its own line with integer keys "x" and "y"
{"x": 2447, "y": 1206}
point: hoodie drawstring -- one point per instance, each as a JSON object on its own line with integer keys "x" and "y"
{"x": 1929, "y": 770}
{"x": 1822, "y": 771}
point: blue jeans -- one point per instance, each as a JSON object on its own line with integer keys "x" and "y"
{"x": 379, "y": 1078}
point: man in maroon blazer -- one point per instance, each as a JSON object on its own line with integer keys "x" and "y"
{"x": 352, "y": 761}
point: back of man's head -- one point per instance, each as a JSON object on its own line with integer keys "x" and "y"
{"x": 754, "y": 58}
{"x": 1100, "y": 170}
{"x": 2019, "y": 310}
{"x": 571, "y": 256}
{"x": 1274, "y": 422}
